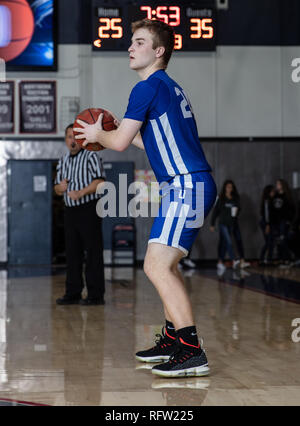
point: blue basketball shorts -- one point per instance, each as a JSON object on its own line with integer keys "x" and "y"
{"x": 185, "y": 202}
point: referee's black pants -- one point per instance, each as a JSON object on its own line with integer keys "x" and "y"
{"x": 83, "y": 232}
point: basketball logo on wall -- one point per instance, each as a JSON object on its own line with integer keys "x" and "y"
{"x": 16, "y": 28}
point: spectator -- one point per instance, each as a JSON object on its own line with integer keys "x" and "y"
{"x": 187, "y": 262}
{"x": 266, "y": 224}
{"x": 284, "y": 214}
{"x": 294, "y": 241}
{"x": 227, "y": 210}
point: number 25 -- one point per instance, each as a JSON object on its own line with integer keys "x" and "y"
{"x": 185, "y": 104}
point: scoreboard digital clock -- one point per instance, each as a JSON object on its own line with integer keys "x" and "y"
{"x": 194, "y": 23}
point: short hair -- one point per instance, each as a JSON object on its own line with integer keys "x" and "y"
{"x": 70, "y": 126}
{"x": 163, "y": 35}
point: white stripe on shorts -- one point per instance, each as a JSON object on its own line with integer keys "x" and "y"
{"x": 170, "y": 216}
{"x": 188, "y": 183}
{"x": 180, "y": 224}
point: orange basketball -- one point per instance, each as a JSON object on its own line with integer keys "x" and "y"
{"x": 90, "y": 116}
{"x": 17, "y": 28}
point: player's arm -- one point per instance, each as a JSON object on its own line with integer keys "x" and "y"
{"x": 138, "y": 141}
{"x": 117, "y": 140}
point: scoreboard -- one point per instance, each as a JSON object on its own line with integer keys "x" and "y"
{"x": 194, "y": 23}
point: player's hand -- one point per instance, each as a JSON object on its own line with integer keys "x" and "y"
{"x": 63, "y": 186}
{"x": 75, "y": 195}
{"x": 116, "y": 120}
{"x": 212, "y": 228}
{"x": 89, "y": 132}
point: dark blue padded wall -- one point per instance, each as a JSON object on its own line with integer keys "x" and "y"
{"x": 29, "y": 212}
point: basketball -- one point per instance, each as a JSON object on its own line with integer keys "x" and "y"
{"x": 17, "y": 28}
{"x": 90, "y": 116}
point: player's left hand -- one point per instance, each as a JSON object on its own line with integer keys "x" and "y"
{"x": 116, "y": 120}
{"x": 89, "y": 132}
{"x": 75, "y": 195}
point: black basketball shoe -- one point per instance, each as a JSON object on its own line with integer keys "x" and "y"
{"x": 165, "y": 346}
{"x": 185, "y": 361}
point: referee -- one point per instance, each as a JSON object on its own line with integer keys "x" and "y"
{"x": 79, "y": 172}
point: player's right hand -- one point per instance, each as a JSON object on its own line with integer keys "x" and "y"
{"x": 89, "y": 132}
{"x": 212, "y": 228}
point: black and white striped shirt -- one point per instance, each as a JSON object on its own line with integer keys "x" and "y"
{"x": 80, "y": 170}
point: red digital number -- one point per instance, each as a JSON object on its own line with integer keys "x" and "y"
{"x": 148, "y": 10}
{"x": 202, "y": 29}
{"x": 104, "y": 27}
{"x": 178, "y": 42}
{"x": 206, "y": 27}
{"x": 162, "y": 16}
{"x": 117, "y": 28}
{"x": 175, "y": 16}
{"x": 172, "y": 19}
{"x": 110, "y": 24}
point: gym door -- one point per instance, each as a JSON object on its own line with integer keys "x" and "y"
{"x": 30, "y": 212}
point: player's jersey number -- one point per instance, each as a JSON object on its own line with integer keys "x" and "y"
{"x": 185, "y": 105}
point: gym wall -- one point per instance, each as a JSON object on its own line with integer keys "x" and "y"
{"x": 241, "y": 91}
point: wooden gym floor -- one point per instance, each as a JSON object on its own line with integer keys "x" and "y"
{"x": 85, "y": 355}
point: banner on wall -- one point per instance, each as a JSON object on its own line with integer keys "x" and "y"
{"x": 149, "y": 192}
{"x": 7, "y": 101}
{"x": 37, "y": 106}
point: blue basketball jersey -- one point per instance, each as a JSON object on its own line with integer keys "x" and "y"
{"x": 169, "y": 129}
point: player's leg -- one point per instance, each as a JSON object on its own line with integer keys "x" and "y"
{"x": 166, "y": 341}
{"x": 164, "y": 261}
{"x": 170, "y": 330}
{"x": 170, "y": 240}
{"x": 160, "y": 267}
{"x": 189, "y": 358}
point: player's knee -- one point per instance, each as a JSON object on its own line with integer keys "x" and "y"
{"x": 152, "y": 266}
{"x": 174, "y": 268}
{"x": 148, "y": 267}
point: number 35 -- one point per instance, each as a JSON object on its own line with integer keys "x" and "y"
{"x": 185, "y": 105}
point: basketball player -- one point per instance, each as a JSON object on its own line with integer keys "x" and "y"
{"x": 160, "y": 120}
